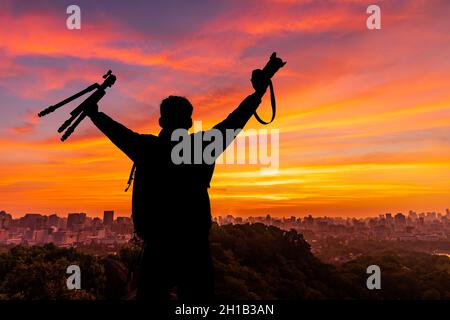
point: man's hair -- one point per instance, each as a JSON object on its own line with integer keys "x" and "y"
{"x": 176, "y": 112}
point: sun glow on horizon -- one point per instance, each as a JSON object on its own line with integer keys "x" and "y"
{"x": 363, "y": 115}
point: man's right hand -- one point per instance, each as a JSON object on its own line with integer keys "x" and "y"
{"x": 92, "y": 110}
{"x": 261, "y": 78}
{"x": 260, "y": 81}
{"x": 275, "y": 63}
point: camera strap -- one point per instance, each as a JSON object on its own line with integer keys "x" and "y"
{"x": 273, "y": 104}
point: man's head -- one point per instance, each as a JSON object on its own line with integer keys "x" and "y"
{"x": 176, "y": 113}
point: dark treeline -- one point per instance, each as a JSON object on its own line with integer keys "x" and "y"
{"x": 337, "y": 250}
{"x": 251, "y": 262}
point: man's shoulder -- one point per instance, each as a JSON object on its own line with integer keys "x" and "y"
{"x": 148, "y": 137}
{"x": 148, "y": 140}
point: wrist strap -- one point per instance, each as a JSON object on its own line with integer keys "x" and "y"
{"x": 273, "y": 104}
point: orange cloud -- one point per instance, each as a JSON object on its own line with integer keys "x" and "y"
{"x": 363, "y": 116}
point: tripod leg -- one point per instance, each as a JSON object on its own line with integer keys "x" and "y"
{"x": 69, "y": 121}
{"x": 60, "y": 104}
{"x": 70, "y": 130}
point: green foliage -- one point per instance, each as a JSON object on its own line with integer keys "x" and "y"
{"x": 405, "y": 275}
{"x": 345, "y": 250}
{"x": 251, "y": 262}
{"x": 39, "y": 272}
{"x": 263, "y": 262}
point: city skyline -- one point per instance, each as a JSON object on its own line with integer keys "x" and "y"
{"x": 363, "y": 114}
{"x": 80, "y": 229}
{"x": 113, "y": 213}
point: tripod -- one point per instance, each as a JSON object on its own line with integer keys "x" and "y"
{"x": 79, "y": 113}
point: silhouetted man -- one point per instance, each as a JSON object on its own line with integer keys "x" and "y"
{"x": 170, "y": 206}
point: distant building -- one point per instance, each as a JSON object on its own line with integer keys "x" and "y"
{"x": 97, "y": 222}
{"x": 430, "y": 217}
{"x": 33, "y": 221}
{"x": 389, "y": 217}
{"x": 412, "y": 214}
{"x": 400, "y": 219}
{"x": 75, "y": 220}
{"x": 53, "y": 220}
{"x": 4, "y": 235}
{"x": 309, "y": 220}
{"x": 108, "y": 218}
{"x": 5, "y": 220}
{"x": 41, "y": 236}
{"x": 124, "y": 225}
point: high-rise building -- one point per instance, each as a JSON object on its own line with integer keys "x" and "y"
{"x": 53, "y": 220}
{"x": 75, "y": 220}
{"x": 400, "y": 218}
{"x": 108, "y": 217}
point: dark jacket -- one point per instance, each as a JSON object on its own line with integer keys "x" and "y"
{"x": 169, "y": 200}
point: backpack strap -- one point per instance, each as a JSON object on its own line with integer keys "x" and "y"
{"x": 131, "y": 177}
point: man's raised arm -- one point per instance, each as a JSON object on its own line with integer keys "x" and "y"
{"x": 125, "y": 139}
{"x": 260, "y": 81}
{"x": 240, "y": 116}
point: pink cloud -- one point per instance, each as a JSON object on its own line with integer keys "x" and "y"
{"x": 28, "y": 125}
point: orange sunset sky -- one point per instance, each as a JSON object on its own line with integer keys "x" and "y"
{"x": 364, "y": 115}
